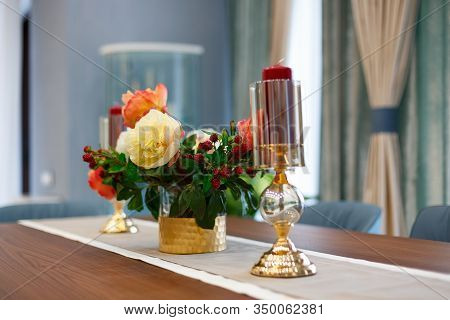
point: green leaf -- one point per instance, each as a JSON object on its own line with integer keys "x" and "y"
{"x": 189, "y": 165}
{"x": 244, "y": 185}
{"x": 225, "y": 137}
{"x": 252, "y": 200}
{"x": 190, "y": 141}
{"x": 185, "y": 199}
{"x": 207, "y": 183}
{"x": 125, "y": 193}
{"x": 198, "y": 204}
{"x": 235, "y": 191}
{"x": 108, "y": 181}
{"x": 216, "y": 206}
{"x": 152, "y": 201}
{"x": 135, "y": 202}
{"x": 122, "y": 157}
{"x": 131, "y": 172}
{"x": 174, "y": 211}
{"x": 116, "y": 168}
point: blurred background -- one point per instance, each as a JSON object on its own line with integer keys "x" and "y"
{"x": 63, "y": 63}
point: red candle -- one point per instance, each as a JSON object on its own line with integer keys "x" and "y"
{"x": 277, "y": 72}
{"x": 115, "y": 124}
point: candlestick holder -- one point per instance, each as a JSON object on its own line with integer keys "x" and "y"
{"x": 278, "y": 146}
{"x": 119, "y": 222}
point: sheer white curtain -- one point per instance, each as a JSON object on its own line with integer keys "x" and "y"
{"x": 10, "y": 67}
{"x": 297, "y": 37}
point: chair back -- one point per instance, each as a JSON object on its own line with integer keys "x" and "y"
{"x": 16, "y": 212}
{"x": 432, "y": 223}
{"x": 349, "y": 215}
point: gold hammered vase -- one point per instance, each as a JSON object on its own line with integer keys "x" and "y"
{"x": 184, "y": 236}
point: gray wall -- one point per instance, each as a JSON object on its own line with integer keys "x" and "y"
{"x": 68, "y": 89}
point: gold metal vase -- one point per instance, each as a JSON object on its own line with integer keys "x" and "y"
{"x": 118, "y": 222}
{"x": 184, "y": 236}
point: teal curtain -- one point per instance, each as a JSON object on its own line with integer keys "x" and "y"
{"x": 250, "y": 22}
{"x": 424, "y": 113}
{"x": 345, "y": 107}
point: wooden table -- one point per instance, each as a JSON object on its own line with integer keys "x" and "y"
{"x": 37, "y": 265}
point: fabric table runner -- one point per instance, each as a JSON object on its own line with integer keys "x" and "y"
{"x": 337, "y": 277}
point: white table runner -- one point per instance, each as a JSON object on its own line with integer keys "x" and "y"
{"x": 337, "y": 277}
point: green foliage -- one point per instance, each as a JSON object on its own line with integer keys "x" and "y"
{"x": 199, "y": 188}
{"x": 216, "y": 207}
{"x": 152, "y": 201}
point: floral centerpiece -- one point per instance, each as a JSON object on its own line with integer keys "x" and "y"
{"x": 158, "y": 166}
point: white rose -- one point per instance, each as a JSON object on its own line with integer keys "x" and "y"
{"x": 154, "y": 140}
{"x": 121, "y": 145}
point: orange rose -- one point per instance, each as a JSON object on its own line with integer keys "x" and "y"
{"x": 244, "y": 128}
{"x": 139, "y": 103}
{"x": 95, "y": 181}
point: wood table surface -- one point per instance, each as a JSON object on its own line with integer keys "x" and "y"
{"x": 38, "y": 265}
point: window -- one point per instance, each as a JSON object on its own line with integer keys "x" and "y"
{"x": 304, "y": 55}
{"x": 10, "y": 66}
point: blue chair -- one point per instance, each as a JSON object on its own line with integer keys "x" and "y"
{"x": 432, "y": 223}
{"x": 12, "y": 213}
{"x": 343, "y": 214}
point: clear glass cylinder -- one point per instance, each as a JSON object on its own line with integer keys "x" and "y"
{"x": 170, "y": 196}
{"x": 166, "y": 199}
{"x": 140, "y": 65}
{"x": 276, "y": 111}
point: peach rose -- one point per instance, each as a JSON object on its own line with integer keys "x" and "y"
{"x": 95, "y": 181}
{"x": 244, "y": 128}
{"x": 139, "y": 103}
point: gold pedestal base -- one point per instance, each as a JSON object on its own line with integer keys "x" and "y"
{"x": 283, "y": 260}
{"x": 119, "y": 222}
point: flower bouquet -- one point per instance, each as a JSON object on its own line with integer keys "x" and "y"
{"x": 184, "y": 180}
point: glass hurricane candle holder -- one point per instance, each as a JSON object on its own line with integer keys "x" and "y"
{"x": 278, "y": 146}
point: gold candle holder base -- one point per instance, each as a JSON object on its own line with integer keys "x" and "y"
{"x": 119, "y": 222}
{"x": 284, "y": 260}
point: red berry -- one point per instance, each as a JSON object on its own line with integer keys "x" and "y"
{"x": 225, "y": 172}
{"x": 188, "y": 156}
{"x": 207, "y": 145}
{"x": 216, "y": 171}
{"x": 92, "y": 165}
{"x": 214, "y": 137}
{"x": 236, "y": 152}
{"x": 215, "y": 182}
{"x": 87, "y": 157}
{"x": 238, "y": 139}
{"x": 250, "y": 170}
{"x": 238, "y": 170}
{"x": 102, "y": 173}
{"x": 199, "y": 157}
{"x": 87, "y": 149}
